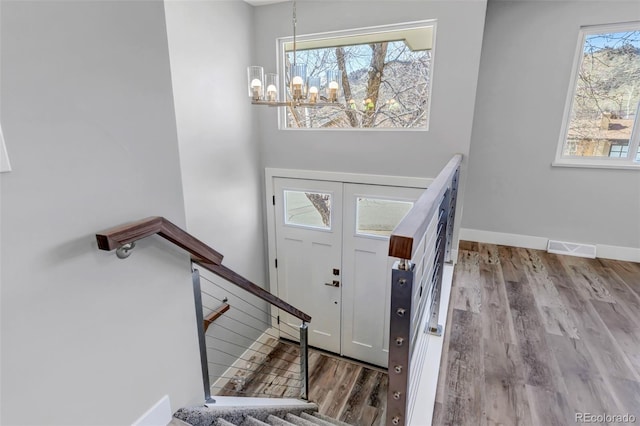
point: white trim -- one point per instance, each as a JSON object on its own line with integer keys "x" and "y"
{"x": 159, "y": 414}
{"x": 337, "y": 37}
{"x": 501, "y": 238}
{"x": 345, "y": 177}
{"x": 5, "y": 164}
{"x": 628, "y": 254}
{"x": 422, "y": 411}
{"x": 634, "y": 139}
{"x": 252, "y": 402}
{"x": 590, "y": 163}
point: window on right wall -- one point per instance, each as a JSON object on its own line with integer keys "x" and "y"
{"x": 601, "y": 126}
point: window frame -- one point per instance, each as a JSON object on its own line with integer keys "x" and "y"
{"x": 634, "y": 140}
{"x": 281, "y": 43}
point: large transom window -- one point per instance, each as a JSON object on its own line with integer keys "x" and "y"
{"x": 385, "y": 77}
{"x": 601, "y": 127}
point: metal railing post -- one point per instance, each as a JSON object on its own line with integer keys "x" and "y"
{"x": 453, "y": 197}
{"x": 197, "y": 297}
{"x": 402, "y": 277}
{"x": 438, "y": 267}
{"x": 304, "y": 359}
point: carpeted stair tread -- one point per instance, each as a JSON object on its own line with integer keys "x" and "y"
{"x": 223, "y": 422}
{"x": 277, "y": 421}
{"x": 177, "y": 422}
{"x": 329, "y": 419}
{"x": 252, "y": 421}
{"x": 298, "y": 421}
{"x": 207, "y": 415}
{"x": 316, "y": 420}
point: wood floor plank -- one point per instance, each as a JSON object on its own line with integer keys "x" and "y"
{"x": 629, "y": 272}
{"x": 587, "y": 390}
{"x": 575, "y": 346}
{"x": 627, "y": 395}
{"x": 506, "y": 401}
{"x": 540, "y": 368}
{"x": 468, "y": 245}
{"x": 364, "y": 403}
{"x": 327, "y": 377}
{"x": 622, "y": 292}
{"x": 497, "y": 324}
{"x": 510, "y": 263}
{"x": 465, "y": 375}
{"x": 554, "y": 313}
{"x": 549, "y": 408}
{"x": 467, "y": 299}
{"x": 624, "y": 330}
{"x": 582, "y": 274}
{"x": 607, "y": 356}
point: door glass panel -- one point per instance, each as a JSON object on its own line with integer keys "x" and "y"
{"x": 378, "y": 216}
{"x": 310, "y": 209}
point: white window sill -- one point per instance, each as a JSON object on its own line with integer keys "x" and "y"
{"x": 597, "y": 164}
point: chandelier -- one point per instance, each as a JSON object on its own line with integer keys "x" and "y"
{"x": 302, "y": 91}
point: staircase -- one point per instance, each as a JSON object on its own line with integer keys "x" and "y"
{"x": 290, "y": 413}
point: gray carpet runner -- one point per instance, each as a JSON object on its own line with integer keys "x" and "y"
{"x": 294, "y": 415}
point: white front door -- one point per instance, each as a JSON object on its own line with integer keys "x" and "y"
{"x": 332, "y": 253}
{"x": 309, "y": 249}
{"x": 370, "y": 214}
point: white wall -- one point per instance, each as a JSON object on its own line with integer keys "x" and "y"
{"x": 219, "y": 147}
{"x": 527, "y": 55}
{"x": 210, "y": 45}
{"x": 403, "y": 153}
{"x": 88, "y": 119}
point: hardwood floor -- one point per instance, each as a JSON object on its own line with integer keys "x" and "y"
{"x": 532, "y": 339}
{"x": 348, "y": 391}
{"x": 536, "y": 339}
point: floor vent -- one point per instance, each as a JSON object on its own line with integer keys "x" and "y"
{"x": 571, "y": 249}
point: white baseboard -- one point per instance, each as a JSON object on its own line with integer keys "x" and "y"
{"x": 159, "y": 414}
{"x": 629, "y": 254}
{"x": 515, "y": 240}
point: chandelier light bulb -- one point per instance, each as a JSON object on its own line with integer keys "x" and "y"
{"x": 296, "y": 84}
{"x": 333, "y": 91}
{"x": 313, "y": 94}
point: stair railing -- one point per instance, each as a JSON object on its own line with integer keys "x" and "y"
{"x": 122, "y": 238}
{"x": 422, "y": 242}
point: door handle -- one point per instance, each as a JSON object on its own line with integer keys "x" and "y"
{"x": 335, "y": 283}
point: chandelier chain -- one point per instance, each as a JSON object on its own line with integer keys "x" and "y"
{"x": 295, "y": 24}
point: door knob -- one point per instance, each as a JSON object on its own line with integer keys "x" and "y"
{"x": 335, "y": 283}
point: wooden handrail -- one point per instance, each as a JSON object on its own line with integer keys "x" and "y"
{"x": 116, "y": 237}
{"x": 217, "y": 313}
{"x": 415, "y": 223}
{"x": 201, "y": 254}
{"x": 252, "y": 288}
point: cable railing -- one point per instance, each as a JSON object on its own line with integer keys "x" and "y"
{"x": 422, "y": 242}
{"x": 241, "y": 352}
{"x": 246, "y": 355}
